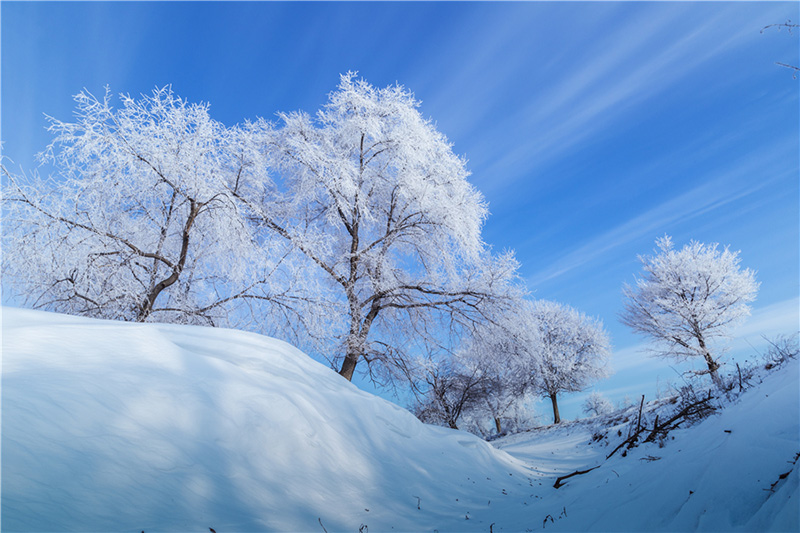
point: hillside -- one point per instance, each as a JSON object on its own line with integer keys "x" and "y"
{"x": 131, "y": 427}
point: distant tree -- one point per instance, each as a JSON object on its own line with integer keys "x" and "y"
{"x": 505, "y": 400}
{"x": 570, "y": 353}
{"x": 447, "y": 388}
{"x": 687, "y": 298}
{"x": 380, "y": 206}
{"x": 538, "y": 348}
{"x": 138, "y": 223}
{"x": 500, "y": 349}
{"x": 596, "y": 404}
{"x": 481, "y": 384}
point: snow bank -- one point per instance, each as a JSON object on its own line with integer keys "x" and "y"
{"x": 723, "y": 474}
{"x": 111, "y": 426}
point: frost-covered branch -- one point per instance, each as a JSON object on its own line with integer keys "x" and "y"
{"x": 138, "y": 218}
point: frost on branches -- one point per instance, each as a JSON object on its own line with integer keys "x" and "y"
{"x": 572, "y": 352}
{"x": 502, "y": 349}
{"x": 596, "y": 405}
{"x": 478, "y": 388}
{"x": 538, "y": 348}
{"x": 375, "y": 199}
{"x": 688, "y": 298}
{"x": 355, "y": 230}
{"x": 447, "y": 388}
{"x": 137, "y": 224}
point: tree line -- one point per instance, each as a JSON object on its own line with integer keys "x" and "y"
{"x": 353, "y": 232}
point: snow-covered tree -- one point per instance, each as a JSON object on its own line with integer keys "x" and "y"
{"x": 571, "y": 353}
{"x": 538, "y": 348}
{"x": 447, "y": 388}
{"x": 499, "y": 348}
{"x": 505, "y": 402}
{"x": 380, "y": 206}
{"x": 688, "y": 298}
{"x": 138, "y": 223}
{"x": 596, "y": 404}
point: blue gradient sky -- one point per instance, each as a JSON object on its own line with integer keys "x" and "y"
{"x": 591, "y": 128}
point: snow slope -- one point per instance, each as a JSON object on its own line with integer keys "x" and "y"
{"x": 110, "y": 426}
{"x": 722, "y": 474}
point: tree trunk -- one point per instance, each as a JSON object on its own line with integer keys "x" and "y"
{"x": 712, "y": 369}
{"x": 497, "y": 425}
{"x": 354, "y": 345}
{"x": 149, "y": 302}
{"x": 713, "y": 366}
{"x": 556, "y": 416}
{"x": 349, "y": 366}
{"x": 358, "y": 334}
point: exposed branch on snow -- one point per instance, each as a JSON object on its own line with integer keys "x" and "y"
{"x": 560, "y": 479}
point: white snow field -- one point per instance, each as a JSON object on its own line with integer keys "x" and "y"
{"x": 110, "y": 426}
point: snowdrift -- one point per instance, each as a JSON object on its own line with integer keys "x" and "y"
{"x": 110, "y": 426}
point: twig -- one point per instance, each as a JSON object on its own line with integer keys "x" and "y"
{"x": 788, "y": 25}
{"x": 792, "y": 67}
{"x": 559, "y": 480}
{"x": 741, "y": 388}
{"x": 639, "y": 420}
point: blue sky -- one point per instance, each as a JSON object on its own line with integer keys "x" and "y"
{"x": 591, "y": 128}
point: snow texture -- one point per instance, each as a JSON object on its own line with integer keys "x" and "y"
{"x": 113, "y": 426}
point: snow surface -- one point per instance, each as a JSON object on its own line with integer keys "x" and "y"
{"x": 110, "y": 426}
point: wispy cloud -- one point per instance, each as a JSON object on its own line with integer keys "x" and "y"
{"x": 716, "y": 191}
{"x": 780, "y": 318}
{"x": 607, "y": 84}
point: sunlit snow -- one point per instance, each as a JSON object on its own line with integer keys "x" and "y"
{"x": 110, "y": 426}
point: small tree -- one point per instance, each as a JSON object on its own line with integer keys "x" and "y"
{"x": 447, "y": 388}
{"x": 138, "y": 224}
{"x": 688, "y": 298}
{"x": 499, "y": 347}
{"x": 570, "y": 353}
{"x": 596, "y": 404}
{"x": 539, "y": 348}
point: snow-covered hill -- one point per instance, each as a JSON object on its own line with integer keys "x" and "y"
{"x": 110, "y": 426}
{"x": 738, "y": 470}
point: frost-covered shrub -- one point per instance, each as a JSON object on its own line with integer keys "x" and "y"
{"x": 624, "y": 404}
{"x": 596, "y": 404}
{"x": 781, "y": 350}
